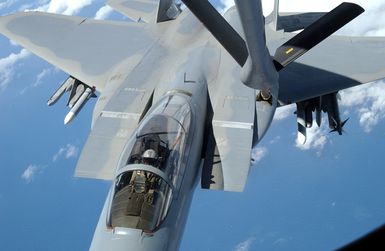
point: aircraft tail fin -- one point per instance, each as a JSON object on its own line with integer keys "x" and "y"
{"x": 219, "y": 28}
{"x": 340, "y": 127}
{"x": 275, "y": 15}
{"x": 289, "y": 21}
{"x": 273, "y": 18}
{"x": 147, "y": 10}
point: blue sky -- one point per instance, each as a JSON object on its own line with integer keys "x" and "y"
{"x": 318, "y": 196}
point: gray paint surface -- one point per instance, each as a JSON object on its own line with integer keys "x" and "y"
{"x": 131, "y": 62}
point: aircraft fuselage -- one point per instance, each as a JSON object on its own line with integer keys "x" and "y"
{"x": 188, "y": 74}
{"x": 184, "y": 92}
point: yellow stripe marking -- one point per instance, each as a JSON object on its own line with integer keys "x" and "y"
{"x": 289, "y": 50}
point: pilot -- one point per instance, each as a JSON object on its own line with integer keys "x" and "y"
{"x": 149, "y": 157}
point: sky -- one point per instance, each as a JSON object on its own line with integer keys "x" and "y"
{"x": 316, "y": 196}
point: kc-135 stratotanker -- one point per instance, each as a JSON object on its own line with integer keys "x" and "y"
{"x": 186, "y": 93}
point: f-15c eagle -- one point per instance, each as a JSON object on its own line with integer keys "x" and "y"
{"x": 186, "y": 93}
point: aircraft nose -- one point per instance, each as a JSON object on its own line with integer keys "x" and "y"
{"x": 130, "y": 240}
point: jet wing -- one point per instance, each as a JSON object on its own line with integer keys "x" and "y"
{"x": 86, "y": 49}
{"x": 337, "y": 63}
{"x": 103, "y": 147}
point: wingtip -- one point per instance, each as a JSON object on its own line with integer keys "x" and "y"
{"x": 357, "y": 7}
{"x": 8, "y": 17}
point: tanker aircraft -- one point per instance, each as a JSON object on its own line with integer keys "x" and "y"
{"x": 186, "y": 93}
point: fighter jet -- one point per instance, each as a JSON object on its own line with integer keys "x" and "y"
{"x": 186, "y": 93}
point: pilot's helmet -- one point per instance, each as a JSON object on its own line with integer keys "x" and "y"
{"x": 149, "y": 154}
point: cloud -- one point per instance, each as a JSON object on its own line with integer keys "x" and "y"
{"x": 32, "y": 5}
{"x": 41, "y": 76}
{"x": 283, "y": 112}
{"x": 39, "y": 80}
{"x": 13, "y": 43}
{"x": 72, "y": 151}
{"x": 368, "y": 101}
{"x": 225, "y": 5}
{"x": 316, "y": 139}
{"x": 69, "y": 151}
{"x": 7, "y": 4}
{"x": 29, "y": 173}
{"x": 267, "y": 6}
{"x": 275, "y": 140}
{"x": 58, "y": 154}
{"x": 258, "y": 154}
{"x": 63, "y": 6}
{"x": 103, "y": 12}
{"x": 7, "y": 67}
{"x": 245, "y": 245}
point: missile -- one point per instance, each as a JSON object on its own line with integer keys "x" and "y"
{"x": 77, "y": 90}
{"x": 318, "y": 110}
{"x": 308, "y": 116}
{"x": 87, "y": 94}
{"x": 65, "y": 87}
{"x": 332, "y": 110}
{"x": 318, "y": 117}
{"x": 301, "y": 123}
{"x": 335, "y": 123}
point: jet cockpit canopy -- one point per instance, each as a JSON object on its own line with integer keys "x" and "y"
{"x": 154, "y": 168}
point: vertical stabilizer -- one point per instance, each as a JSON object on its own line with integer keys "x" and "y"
{"x": 148, "y": 11}
{"x": 273, "y": 19}
{"x": 275, "y": 14}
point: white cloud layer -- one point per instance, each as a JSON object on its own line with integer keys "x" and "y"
{"x": 7, "y": 4}
{"x": 39, "y": 79}
{"x": 227, "y": 4}
{"x": 284, "y": 112}
{"x": 41, "y": 76}
{"x": 29, "y": 173}
{"x": 368, "y": 101}
{"x": 72, "y": 151}
{"x": 104, "y": 12}
{"x": 258, "y": 154}
{"x": 69, "y": 151}
{"x": 64, "y": 6}
{"x": 316, "y": 139}
{"x": 245, "y": 245}
{"x": 7, "y": 67}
